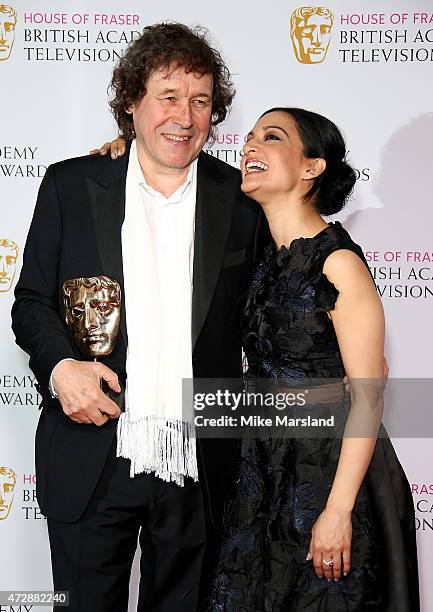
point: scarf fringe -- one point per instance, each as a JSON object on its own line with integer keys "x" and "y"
{"x": 166, "y": 447}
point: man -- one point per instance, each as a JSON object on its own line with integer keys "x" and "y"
{"x": 170, "y": 224}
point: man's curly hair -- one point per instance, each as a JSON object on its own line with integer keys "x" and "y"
{"x": 161, "y": 46}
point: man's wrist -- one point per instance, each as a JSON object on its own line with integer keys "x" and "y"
{"x": 51, "y": 388}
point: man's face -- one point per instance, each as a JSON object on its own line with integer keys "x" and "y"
{"x": 7, "y": 486}
{"x": 7, "y": 33}
{"x": 172, "y": 120}
{"x": 95, "y": 319}
{"x": 8, "y": 260}
{"x": 311, "y": 38}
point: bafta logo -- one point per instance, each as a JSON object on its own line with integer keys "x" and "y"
{"x": 8, "y": 480}
{"x": 310, "y": 30}
{"x": 8, "y": 262}
{"x": 8, "y": 21}
{"x": 92, "y": 309}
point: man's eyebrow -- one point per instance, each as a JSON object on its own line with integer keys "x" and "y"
{"x": 170, "y": 90}
{"x": 167, "y": 90}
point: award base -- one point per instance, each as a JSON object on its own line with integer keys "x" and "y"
{"x": 117, "y": 398}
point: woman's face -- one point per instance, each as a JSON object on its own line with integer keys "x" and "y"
{"x": 273, "y": 161}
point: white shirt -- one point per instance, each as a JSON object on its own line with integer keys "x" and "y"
{"x": 168, "y": 216}
{"x": 157, "y": 252}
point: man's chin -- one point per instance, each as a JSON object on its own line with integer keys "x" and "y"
{"x": 181, "y": 161}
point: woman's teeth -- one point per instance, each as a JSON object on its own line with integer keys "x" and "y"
{"x": 256, "y": 166}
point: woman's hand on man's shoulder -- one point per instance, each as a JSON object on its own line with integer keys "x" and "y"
{"x": 116, "y": 148}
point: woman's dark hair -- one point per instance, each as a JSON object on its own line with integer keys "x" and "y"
{"x": 322, "y": 138}
{"x": 160, "y": 46}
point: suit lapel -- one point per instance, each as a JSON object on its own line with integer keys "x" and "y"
{"x": 216, "y": 195}
{"x": 106, "y": 190}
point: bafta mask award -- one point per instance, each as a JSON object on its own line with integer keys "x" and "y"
{"x": 92, "y": 310}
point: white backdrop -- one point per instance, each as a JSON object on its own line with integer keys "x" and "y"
{"x": 375, "y": 83}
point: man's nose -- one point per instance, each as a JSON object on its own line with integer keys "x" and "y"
{"x": 183, "y": 115}
{"x": 2, "y": 35}
{"x": 3, "y": 267}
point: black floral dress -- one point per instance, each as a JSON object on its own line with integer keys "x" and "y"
{"x": 282, "y": 484}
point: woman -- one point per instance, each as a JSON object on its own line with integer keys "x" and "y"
{"x": 313, "y": 524}
{"x": 310, "y": 526}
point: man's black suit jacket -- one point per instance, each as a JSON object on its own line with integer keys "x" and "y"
{"x": 76, "y": 231}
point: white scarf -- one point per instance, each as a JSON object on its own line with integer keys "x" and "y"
{"x": 151, "y": 432}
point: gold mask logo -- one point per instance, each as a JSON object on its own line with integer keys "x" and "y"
{"x": 8, "y": 480}
{"x": 310, "y": 30}
{"x": 8, "y": 263}
{"x": 8, "y": 21}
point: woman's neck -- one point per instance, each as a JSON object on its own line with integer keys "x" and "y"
{"x": 291, "y": 219}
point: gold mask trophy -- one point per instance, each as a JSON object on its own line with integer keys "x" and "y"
{"x": 92, "y": 311}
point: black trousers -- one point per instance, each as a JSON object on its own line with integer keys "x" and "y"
{"x": 92, "y": 558}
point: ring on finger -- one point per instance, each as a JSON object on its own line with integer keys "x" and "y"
{"x": 329, "y": 563}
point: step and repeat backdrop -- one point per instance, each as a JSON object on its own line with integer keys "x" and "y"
{"x": 366, "y": 65}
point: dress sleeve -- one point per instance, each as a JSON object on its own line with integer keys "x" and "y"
{"x": 326, "y": 293}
